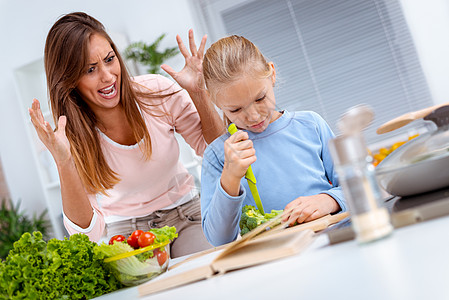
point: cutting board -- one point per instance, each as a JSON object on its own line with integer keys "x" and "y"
{"x": 253, "y": 253}
{"x": 315, "y": 225}
{"x": 248, "y": 251}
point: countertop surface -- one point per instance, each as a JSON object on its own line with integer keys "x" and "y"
{"x": 412, "y": 263}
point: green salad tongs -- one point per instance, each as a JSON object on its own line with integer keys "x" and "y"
{"x": 250, "y": 178}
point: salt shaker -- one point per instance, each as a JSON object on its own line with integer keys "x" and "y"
{"x": 356, "y": 174}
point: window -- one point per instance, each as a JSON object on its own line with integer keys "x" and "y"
{"x": 331, "y": 54}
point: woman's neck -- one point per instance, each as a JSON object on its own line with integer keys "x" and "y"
{"x": 115, "y": 125}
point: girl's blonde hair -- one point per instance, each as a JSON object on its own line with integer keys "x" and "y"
{"x": 232, "y": 57}
{"x": 229, "y": 59}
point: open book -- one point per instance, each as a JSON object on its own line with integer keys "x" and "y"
{"x": 257, "y": 247}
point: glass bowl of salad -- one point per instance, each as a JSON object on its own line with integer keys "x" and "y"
{"x": 132, "y": 264}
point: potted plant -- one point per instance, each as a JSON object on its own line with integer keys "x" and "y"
{"x": 149, "y": 55}
{"x": 14, "y": 223}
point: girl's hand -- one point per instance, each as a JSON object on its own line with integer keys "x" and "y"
{"x": 305, "y": 209}
{"x": 55, "y": 141}
{"x": 191, "y": 76}
{"x": 239, "y": 155}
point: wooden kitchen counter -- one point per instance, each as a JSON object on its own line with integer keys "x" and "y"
{"x": 412, "y": 263}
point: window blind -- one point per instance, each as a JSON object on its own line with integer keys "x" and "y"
{"x": 332, "y": 54}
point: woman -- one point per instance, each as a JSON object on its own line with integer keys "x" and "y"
{"x": 114, "y": 146}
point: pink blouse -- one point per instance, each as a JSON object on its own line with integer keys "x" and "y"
{"x": 146, "y": 186}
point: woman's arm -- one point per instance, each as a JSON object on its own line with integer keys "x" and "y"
{"x": 75, "y": 202}
{"x": 211, "y": 123}
{"x": 191, "y": 79}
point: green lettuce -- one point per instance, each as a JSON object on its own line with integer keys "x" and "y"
{"x": 164, "y": 234}
{"x": 57, "y": 269}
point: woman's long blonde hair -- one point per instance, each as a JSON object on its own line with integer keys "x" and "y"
{"x": 66, "y": 55}
{"x": 230, "y": 58}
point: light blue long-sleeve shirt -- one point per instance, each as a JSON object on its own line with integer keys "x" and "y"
{"x": 293, "y": 160}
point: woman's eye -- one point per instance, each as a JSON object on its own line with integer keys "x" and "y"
{"x": 90, "y": 70}
{"x": 111, "y": 58}
{"x": 234, "y": 110}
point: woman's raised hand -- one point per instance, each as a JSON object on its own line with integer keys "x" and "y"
{"x": 55, "y": 141}
{"x": 191, "y": 76}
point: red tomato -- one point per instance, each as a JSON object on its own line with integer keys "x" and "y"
{"x": 133, "y": 238}
{"x": 161, "y": 256}
{"x": 146, "y": 239}
{"x": 118, "y": 238}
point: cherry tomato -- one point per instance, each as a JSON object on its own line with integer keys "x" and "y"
{"x": 133, "y": 238}
{"x": 161, "y": 256}
{"x": 118, "y": 238}
{"x": 146, "y": 239}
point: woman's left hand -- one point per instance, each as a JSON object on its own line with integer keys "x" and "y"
{"x": 191, "y": 76}
{"x": 308, "y": 208}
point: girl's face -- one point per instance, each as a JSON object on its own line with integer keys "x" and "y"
{"x": 249, "y": 102}
{"x": 100, "y": 84}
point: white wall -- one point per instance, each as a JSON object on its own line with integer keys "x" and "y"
{"x": 429, "y": 25}
{"x": 23, "y": 29}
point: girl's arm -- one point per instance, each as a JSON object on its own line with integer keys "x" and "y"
{"x": 220, "y": 212}
{"x": 329, "y": 201}
{"x": 308, "y": 208}
{"x": 335, "y": 191}
{"x": 239, "y": 155}
{"x": 222, "y": 193}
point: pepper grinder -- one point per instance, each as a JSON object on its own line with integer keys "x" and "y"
{"x": 356, "y": 173}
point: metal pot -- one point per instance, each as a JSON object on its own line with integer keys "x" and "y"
{"x": 420, "y": 165}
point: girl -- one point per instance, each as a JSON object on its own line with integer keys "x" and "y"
{"x": 288, "y": 151}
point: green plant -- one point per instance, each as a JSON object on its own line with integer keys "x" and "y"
{"x": 14, "y": 223}
{"x": 149, "y": 55}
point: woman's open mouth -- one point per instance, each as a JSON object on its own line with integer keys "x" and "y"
{"x": 109, "y": 92}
